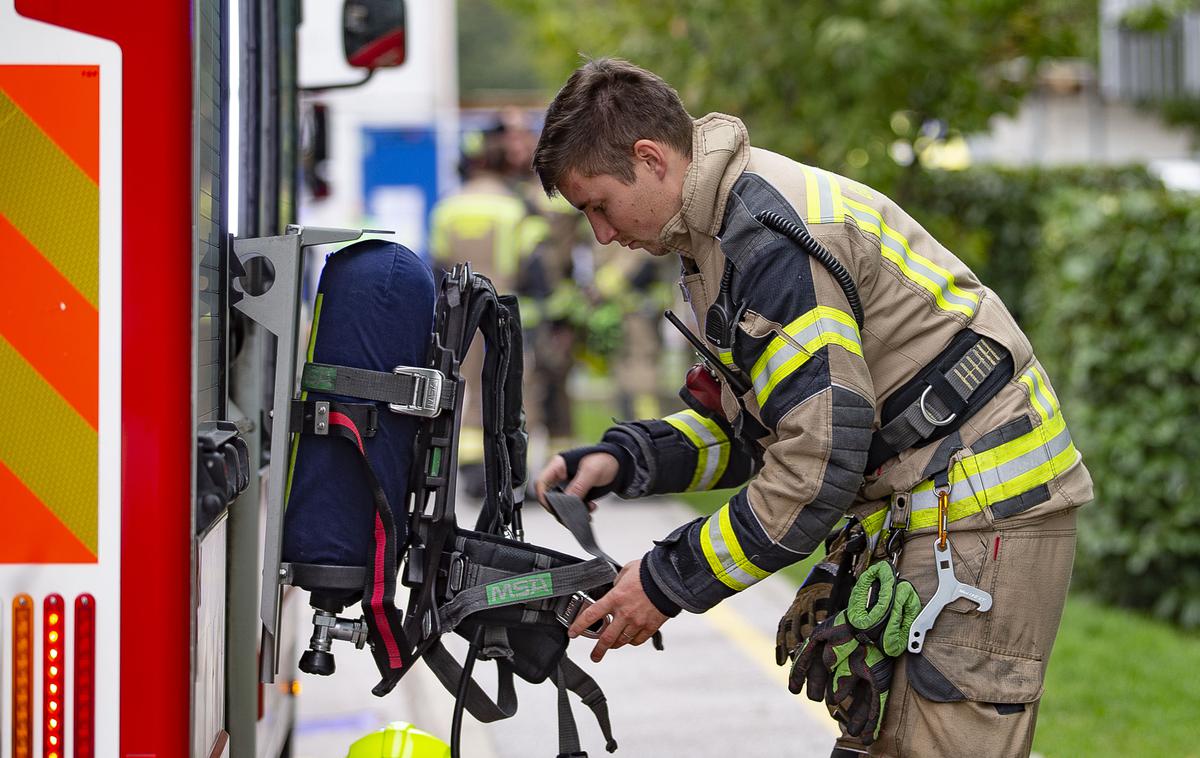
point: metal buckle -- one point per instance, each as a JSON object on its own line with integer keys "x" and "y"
{"x": 427, "y": 392}
{"x": 928, "y": 416}
{"x": 575, "y": 604}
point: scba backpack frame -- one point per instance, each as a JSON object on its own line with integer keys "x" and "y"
{"x": 367, "y": 495}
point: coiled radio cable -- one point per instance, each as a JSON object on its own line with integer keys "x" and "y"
{"x": 798, "y": 234}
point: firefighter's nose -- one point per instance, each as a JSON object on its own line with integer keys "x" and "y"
{"x": 604, "y": 231}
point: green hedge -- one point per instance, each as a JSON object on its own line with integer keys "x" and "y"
{"x": 1116, "y": 290}
{"x": 992, "y": 218}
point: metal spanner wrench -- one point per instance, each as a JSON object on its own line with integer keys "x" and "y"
{"x": 949, "y": 588}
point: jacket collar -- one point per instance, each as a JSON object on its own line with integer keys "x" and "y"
{"x": 720, "y": 152}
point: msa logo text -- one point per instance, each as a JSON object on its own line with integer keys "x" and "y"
{"x": 520, "y": 589}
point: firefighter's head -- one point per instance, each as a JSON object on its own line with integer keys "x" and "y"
{"x": 616, "y": 143}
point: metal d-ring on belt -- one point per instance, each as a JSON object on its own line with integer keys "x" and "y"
{"x": 944, "y": 394}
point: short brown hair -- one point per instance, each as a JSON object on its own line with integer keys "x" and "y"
{"x": 604, "y": 108}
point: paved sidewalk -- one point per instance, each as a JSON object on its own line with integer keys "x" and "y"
{"x": 714, "y": 692}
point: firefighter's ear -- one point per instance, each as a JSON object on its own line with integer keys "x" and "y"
{"x": 653, "y": 155}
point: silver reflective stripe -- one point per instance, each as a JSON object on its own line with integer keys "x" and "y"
{"x": 709, "y": 451}
{"x": 826, "y": 195}
{"x": 930, "y": 277}
{"x": 941, "y": 282}
{"x": 725, "y": 556}
{"x": 974, "y": 486}
{"x": 1040, "y": 393}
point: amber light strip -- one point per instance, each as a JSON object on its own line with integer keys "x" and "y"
{"x": 84, "y": 711}
{"x": 53, "y": 676}
{"x": 22, "y": 666}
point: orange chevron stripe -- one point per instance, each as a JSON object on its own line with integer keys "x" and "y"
{"x": 65, "y": 103}
{"x": 32, "y": 534}
{"x": 50, "y": 323}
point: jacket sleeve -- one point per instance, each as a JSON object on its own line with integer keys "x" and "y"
{"x": 684, "y": 452}
{"x": 801, "y": 349}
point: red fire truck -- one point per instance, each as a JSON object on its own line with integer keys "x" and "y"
{"x": 135, "y": 417}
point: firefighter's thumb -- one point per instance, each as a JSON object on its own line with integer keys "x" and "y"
{"x": 595, "y": 470}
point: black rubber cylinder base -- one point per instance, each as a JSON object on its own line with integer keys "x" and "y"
{"x": 317, "y": 662}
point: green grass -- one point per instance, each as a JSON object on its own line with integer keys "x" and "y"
{"x": 1119, "y": 683}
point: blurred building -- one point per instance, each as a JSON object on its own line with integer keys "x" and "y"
{"x": 381, "y": 154}
{"x": 1080, "y": 113}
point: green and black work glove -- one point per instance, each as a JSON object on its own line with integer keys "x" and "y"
{"x": 848, "y": 659}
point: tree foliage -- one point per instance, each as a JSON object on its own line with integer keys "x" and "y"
{"x": 491, "y": 56}
{"x": 835, "y": 84}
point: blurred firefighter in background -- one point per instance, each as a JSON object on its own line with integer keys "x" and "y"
{"x": 553, "y": 307}
{"x": 481, "y": 224}
{"x": 632, "y": 294}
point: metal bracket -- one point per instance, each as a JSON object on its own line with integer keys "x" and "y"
{"x": 277, "y": 309}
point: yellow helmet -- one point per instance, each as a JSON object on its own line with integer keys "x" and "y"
{"x": 399, "y": 739}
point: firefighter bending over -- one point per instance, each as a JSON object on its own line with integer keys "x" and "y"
{"x": 882, "y": 381}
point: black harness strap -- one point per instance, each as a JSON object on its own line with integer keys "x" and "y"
{"x": 968, "y": 373}
{"x": 477, "y": 702}
{"x": 564, "y": 580}
{"x": 404, "y": 386}
{"x": 312, "y": 417}
{"x": 584, "y": 686}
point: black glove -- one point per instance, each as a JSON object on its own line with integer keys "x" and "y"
{"x": 624, "y": 471}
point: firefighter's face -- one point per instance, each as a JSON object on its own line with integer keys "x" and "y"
{"x": 633, "y": 214}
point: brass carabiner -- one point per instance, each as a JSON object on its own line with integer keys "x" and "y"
{"x": 943, "y": 497}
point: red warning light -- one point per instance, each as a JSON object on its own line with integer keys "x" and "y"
{"x": 85, "y": 676}
{"x": 52, "y": 676}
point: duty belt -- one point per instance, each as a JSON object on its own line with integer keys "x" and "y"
{"x": 1007, "y": 470}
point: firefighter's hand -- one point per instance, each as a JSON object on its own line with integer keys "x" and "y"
{"x": 635, "y": 619}
{"x": 594, "y": 470}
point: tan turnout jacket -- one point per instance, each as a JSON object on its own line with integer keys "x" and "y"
{"x": 820, "y": 384}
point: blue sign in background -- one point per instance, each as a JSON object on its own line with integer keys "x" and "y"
{"x": 404, "y": 160}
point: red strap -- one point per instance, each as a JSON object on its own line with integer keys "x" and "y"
{"x": 378, "y": 586}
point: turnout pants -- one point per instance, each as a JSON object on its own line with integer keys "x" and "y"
{"x": 975, "y": 689}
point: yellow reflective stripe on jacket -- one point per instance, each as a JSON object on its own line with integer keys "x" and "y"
{"x": 873, "y": 524}
{"x": 531, "y": 231}
{"x": 712, "y": 447}
{"x": 474, "y": 217}
{"x": 724, "y": 554}
{"x": 824, "y": 196}
{"x": 819, "y": 327}
{"x": 726, "y": 357}
{"x": 1040, "y": 394}
{"x": 1007, "y": 470}
{"x": 931, "y": 277}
